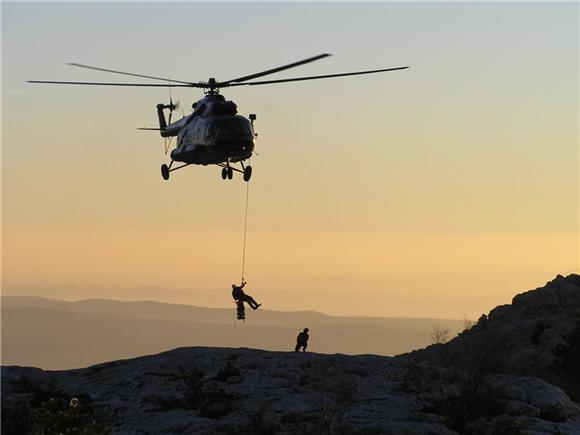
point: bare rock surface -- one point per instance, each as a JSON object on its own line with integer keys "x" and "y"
{"x": 288, "y": 392}
{"x": 520, "y": 338}
{"x": 499, "y": 377}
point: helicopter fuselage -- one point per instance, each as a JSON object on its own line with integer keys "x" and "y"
{"x": 213, "y": 134}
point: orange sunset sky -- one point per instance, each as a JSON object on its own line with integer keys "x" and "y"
{"x": 436, "y": 191}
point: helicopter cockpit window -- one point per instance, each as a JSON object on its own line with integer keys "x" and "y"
{"x": 228, "y": 127}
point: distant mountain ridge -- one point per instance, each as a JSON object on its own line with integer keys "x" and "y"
{"x": 154, "y": 309}
{"x": 92, "y": 331}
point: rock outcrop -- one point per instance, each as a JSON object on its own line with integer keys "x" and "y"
{"x": 522, "y": 338}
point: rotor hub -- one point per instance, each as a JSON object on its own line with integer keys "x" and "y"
{"x": 213, "y": 86}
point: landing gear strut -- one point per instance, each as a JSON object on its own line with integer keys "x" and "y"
{"x": 228, "y": 171}
{"x": 247, "y": 173}
{"x": 165, "y": 170}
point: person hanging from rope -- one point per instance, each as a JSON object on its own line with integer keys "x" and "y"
{"x": 239, "y": 295}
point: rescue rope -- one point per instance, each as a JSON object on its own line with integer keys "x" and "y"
{"x": 245, "y": 230}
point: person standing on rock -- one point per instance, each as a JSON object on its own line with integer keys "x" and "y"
{"x": 239, "y": 295}
{"x": 302, "y": 341}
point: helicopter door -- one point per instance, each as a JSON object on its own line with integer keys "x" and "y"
{"x": 181, "y": 138}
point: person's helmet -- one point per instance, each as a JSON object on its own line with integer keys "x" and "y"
{"x": 305, "y": 329}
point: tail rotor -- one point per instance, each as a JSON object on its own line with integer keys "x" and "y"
{"x": 171, "y": 106}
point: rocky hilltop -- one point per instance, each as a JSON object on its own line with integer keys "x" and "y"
{"x": 513, "y": 372}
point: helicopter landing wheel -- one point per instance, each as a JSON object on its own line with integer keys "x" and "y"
{"x": 230, "y": 173}
{"x": 165, "y": 171}
{"x": 247, "y": 173}
{"x": 224, "y": 173}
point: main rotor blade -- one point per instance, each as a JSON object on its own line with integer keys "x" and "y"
{"x": 297, "y": 79}
{"x": 155, "y": 85}
{"x": 274, "y": 70}
{"x": 127, "y": 73}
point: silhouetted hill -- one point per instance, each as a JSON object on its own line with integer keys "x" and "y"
{"x": 56, "y": 335}
{"x": 522, "y": 338}
{"x": 503, "y": 376}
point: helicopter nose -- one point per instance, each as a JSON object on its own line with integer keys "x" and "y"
{"x": 237, "y": 146}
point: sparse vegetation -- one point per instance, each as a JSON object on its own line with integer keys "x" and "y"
{"x": 209, "y": 400}
{"x": 467, "y": 323}
{"x": 338, "y": 395}
{"x": 196, "y": 394}
{"x": 440, "y": 335}
{"x": 52, "y": 412}
{"x": 476, "y": 398}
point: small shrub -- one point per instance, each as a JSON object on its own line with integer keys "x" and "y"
{"x": 460, "y": 411}
{"x": 52, "y": 412}
{"x": 338, "y": 395}
{"x": 439, "y": 334}
{"x": 476, "y": 361}
{"x": 467, "y": 323}
{"x": 197, "y": 395}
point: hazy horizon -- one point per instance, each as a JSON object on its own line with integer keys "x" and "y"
{"x": 53, "y": 334}
{"x": 35, "y": 297}
{"x": 456, "y": 307}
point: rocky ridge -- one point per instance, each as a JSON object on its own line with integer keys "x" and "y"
{"x": 509, "y": 374}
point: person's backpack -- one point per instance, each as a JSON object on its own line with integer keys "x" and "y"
{"x": 237, "y": 293}
{"x": 302, "y": 338}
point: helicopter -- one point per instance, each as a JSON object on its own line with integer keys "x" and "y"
{"x": 214, "y": 133}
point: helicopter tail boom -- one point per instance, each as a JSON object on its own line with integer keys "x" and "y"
{"x": 161, "y": 116}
